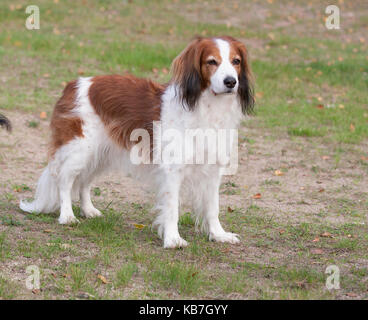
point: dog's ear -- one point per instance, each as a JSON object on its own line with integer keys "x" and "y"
{"x": 245, "y": 90}
{"x": 4, "y": 121}
{"x": 186, "y": 70}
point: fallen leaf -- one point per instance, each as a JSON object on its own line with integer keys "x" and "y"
{"x": 36, "y": 291}
{"x": 315, "y": 239}
{"x": 326, "y": 157}
{"x": 257, "y": 196}
{"x": 48, "y": 231}
{"x": 43, "y": 115}
{"x": 80, "y": 71}
{"x": 279, "y": 173}
{"x": 364, "y": 158}
{"x": 319, "y": 106}
{"x": 317, "y": 251}
{"x": 65, "y": 245}
{"x": 326, "y": 235}
{"x": 229, "y": 209}
{"x": 139, "y": 226}
{"x": 352, "y": 294}
{"x": 321, "y": 190}
{"x": 282, "y": 231}
{"x": 102, "y": 278}
{"x": 352, "y": 127}
{"x": 341, "y": 106}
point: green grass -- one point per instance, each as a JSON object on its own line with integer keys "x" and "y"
{"x": 4, "y": 247}
{"x": 182, "y": 277}
{"x": 7, "y": 289}
{"x": 125, "y": 273}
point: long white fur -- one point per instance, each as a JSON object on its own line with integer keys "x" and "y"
{"x": 74, "y": 166}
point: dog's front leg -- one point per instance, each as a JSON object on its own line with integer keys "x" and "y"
{"x": 210, "y": 202}
{"x": 168, "y": 207}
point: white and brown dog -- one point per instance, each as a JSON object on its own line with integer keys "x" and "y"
{"x": 93, "y": 121}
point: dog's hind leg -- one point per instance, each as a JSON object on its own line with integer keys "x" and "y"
{"x": 87, "y": 208}
{"x": 65, "y": 184}
{"x": 75, "y": 160}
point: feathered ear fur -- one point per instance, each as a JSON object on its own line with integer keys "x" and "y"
{"x": 186, "y": 69}
{"x": 245, "y": 90}
{"x": 4, "y": 121}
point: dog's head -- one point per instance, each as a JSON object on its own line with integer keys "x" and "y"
{"x": 218, "y": 64}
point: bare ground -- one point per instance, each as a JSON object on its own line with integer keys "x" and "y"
{"x": 316, "y": 185}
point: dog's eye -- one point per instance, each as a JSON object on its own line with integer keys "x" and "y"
{"x": 236, "y": 62}
{"x": 212, "y": 62}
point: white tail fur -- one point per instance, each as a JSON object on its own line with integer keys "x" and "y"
{"x": 47, "y": 195}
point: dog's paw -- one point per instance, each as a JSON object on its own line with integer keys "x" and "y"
{"x": 174, "y": 242}
{"x": 91, "y": 212}
{"x": 225, "y": 237}
{"x": 69, "y": 219}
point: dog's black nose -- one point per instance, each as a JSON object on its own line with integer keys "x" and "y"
{"x": 230, "y": 82}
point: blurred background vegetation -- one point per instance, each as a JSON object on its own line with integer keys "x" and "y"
{"x": 310, "y": 81}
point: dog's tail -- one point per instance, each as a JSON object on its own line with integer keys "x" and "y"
{"x": 47, "y": 195}
{"x": 5, "y": 122}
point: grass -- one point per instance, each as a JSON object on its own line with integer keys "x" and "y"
{"x": 7, "y": 290}
{"x": 125, "y": 273}
{"x": 311, "y": 94}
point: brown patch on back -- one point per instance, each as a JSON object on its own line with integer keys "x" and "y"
{"x": 64, "y": 125}
{"x": 125, "y": 103}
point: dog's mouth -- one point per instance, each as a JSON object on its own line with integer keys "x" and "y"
{"x": 228, "y": 92}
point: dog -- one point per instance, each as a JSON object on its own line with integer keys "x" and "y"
{"x": 92, "y": 124}
{"x": 5, "y": 122}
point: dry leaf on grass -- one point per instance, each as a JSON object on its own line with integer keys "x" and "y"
{"x": 352, "y": 294}
{"x": 278, "y": 173}
{"x": 326, "y": 235}
{"x": 43, "y": 115}
{"x": 257, "y": 196}
{"x": 102, "y": 278}
{"x": 317, "y": 251}
{"x": 139, "y": 226}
